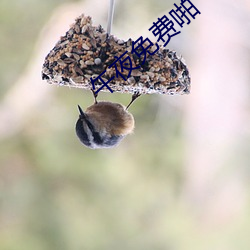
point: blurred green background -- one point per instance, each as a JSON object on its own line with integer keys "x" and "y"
{"x": 181, "y": 181}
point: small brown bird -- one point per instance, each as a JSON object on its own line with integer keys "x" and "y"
{"x": 104, "y": 124}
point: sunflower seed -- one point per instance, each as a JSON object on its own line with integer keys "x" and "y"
{"x": 85, "y": 46}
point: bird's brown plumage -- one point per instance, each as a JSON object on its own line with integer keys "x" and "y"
{"x": 112, "y": 117}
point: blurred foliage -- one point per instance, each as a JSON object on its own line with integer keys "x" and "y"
{"x": 56, "y": 194}
{"x": 20, "y": 23}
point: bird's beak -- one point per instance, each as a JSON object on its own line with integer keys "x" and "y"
{"x": 82, "y": 115}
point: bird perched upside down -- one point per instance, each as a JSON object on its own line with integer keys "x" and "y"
{"x": 104, "y": 124}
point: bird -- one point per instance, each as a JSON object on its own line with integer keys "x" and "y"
{"x": 104, "y": 124}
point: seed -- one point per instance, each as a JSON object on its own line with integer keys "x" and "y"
{"x": 68, "y": 54}
{"x": 150, "y": 74}
{"x": 77, "y": 29}
{"x": 69, "y": 60}
{"x": 84, "y": 28}
{"x": 88, "y": 62}
{"x": 64, "y": 43}
{"x": 144, "y": 78}
{"x": 77, "y": 79}
{"x": 93, "y": 42}
{"x": 85, "y": 46}
{"x": 61, "y": 62}
{"x": 94, "y": 76}
{"x": 78, "y": 51}
{"x": 120, "y": 42}
{"x": 83, "y": 21}
{"x": 78, "y": 70}
{"x": 77, "y": 57}
{"x": 131, "y": 80}
{"x": 136, "y": 73}
{"x": 103, "y": 37}
{"x": 153, "y": 48}
{"x": 98, "y": 61}
{"x": 87, "y": 76}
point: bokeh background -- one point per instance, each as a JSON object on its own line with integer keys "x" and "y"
{"x": 180, "y": 182}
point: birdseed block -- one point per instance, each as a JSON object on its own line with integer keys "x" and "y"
{"x": 87, "y": 51}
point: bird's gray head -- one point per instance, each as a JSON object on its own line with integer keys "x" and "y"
{"x": 90, "y": 137}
